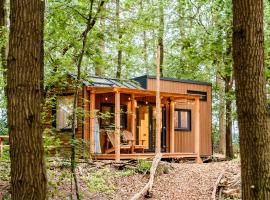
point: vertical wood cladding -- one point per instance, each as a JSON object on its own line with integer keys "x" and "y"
{"x": 184, "y": 140}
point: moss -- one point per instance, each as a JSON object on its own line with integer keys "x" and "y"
{"x": 143, "y": 166}
{"x": 100, "y": 182}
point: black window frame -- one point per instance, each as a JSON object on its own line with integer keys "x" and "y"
{"x": 203, "y": 96}
{"x": 179, "y": 128}
{"x": 123, "y": 117}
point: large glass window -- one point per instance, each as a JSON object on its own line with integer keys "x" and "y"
{"x": 64, "y": 110}
{"x": 182, "y": 120}
{"x": 107, "y": 117}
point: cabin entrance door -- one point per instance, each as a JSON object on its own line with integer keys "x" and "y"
{"x": 142, "y": 135}
{"x": 146, "y": 127}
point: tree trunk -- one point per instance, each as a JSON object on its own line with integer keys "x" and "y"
{"x": 145, "y": 47}
{"x": 99, "y": 67}
{"x": 145, "y": 55}
{"x": 160, "y": 36}
{"x": 229, "y": 146}
{"x": 89, "y": 25}
{"x": 248, "y": 56}
{"x": 119, "y": 52}
{"x": 3, "y": 35}
{"x": 221, "y": 111}
{"x": 158, "y": 105}
{"x": 25, "y": 67}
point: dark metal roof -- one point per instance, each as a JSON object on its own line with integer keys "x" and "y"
{"x": 141, "y": 79}
{"x": 97, "y": 81}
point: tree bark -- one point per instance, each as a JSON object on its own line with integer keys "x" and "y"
{"x": 221, "y": 111}
{"x": 145, "y": 55}
{"x": 228, "y": 113}
{"x": 248, "y": 56}
{"x": 119, "y": 52}
{"x": 158, "y": 105}
{"x": 160, "y": 36}
{"x": 25, "y": 67}
{"x": 3, "y": 26}
{"x": 99, "y": 67}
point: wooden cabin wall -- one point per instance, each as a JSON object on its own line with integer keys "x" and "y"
{"x": 184, "y": 141}
{"x": 64, "y": 136}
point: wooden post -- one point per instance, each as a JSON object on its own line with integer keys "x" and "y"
{"x": 197, "y": 129}
{"x": 172, "y": 107}
{"x": 86, "y": 99}
{"x": 117, "y": 126}
{"x": 92, "y": 122}
{"x": 133, "y": 116}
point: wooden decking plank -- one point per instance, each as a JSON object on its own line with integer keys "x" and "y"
{"x": 145, "y": 155}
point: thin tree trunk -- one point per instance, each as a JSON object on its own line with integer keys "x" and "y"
{"x": 145, "y": 55}
{"x": 160, "y": 36}
{"x": 145, "y": 47}
{"x": 158, "y": 104}
{"x": 229, "y": 146}
{"x": 119, "y": 32}
{"x": 90, "y": 24}
{"x": 99, "y": 67}
{"x": 248, "y": 56}
{"x": 25, "y": 67}
{"x": 221, "y": 108}
{"x": 3, "y": 35}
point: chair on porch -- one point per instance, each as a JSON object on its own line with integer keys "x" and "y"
{"x": 112, "y": 136}
{"x": 128, "y": 136}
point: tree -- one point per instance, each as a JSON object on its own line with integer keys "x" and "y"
{"x": 3, "y": 24}
{"x": 120, "y": 35}
{"x": 160, "y": 36}
{"x": 25, "y": 68}
{"x": 248, "y": 56}
{"x": 91, "y": 21}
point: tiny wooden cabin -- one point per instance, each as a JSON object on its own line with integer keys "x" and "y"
{"x": 119, "y": 120}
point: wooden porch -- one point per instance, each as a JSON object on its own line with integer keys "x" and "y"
{"x": 145, "y": 156}
{"x": 134, "y": 95}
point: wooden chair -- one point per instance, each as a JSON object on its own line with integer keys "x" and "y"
{"x": 128, "y": 136}
{"x": 112, "y": 137}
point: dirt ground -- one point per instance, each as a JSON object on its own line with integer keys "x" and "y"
{"x": 184, "y": 181}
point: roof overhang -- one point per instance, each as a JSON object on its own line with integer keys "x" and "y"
{"x": 141, "y": 92}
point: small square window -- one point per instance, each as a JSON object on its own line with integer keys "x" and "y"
{"x": 182, "y": 120}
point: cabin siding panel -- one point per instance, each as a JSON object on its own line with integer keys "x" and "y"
{"x": 184, "y": 141}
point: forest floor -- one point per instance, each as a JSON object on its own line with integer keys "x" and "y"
{"x": 104, "y": 180}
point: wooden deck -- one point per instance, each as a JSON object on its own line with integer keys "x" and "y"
{"x": 144, "y": 156}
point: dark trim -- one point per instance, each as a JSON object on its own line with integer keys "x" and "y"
{"x": 137, "y": 126}
{"x": 189, "y": 128}
{"x": 140, "y": 78}
{"x": 151, "y": 135}
{"x": 164, "y": 129}
{"x": 142, "y": 81}
{"x": 67, "y": 129}
{"x": 203, "y": 96}
{"x": 54, "y": 107}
